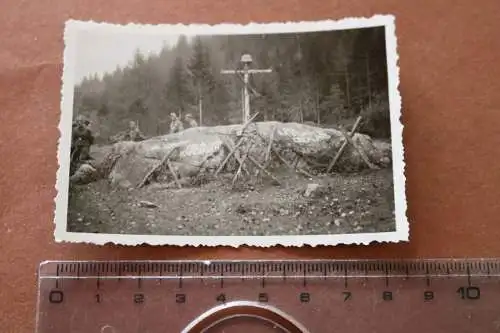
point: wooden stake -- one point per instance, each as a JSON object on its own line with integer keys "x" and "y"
{"x": 172, "y": 170}
{"x": 257, "y": 164}
{"x": 156, "y": 167}
{"x": 232, "y": 151}
{"x": 270, "y": 146}
{"x": 291, "y": 167}
{"x": 344, "y": 145}
{"x": 249, "y": 121}
{"x": 268, "y": 152}
{"x": 241, "y": 164}
{"x": 237, "y": 144}
{"x": 271, "y": 149}
{"x": 360, "y": 151}
{"x": 239, "y": 159}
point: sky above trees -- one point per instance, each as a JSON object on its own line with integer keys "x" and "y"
{"x": 102, "y": 52}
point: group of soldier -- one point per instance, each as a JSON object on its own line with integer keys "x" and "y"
{"x": 176, "y": 124}
{"x": 83, "y": 138}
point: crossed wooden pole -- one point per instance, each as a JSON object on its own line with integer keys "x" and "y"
{"x": 348, "y": 140}
{"x": 233, "y": 151}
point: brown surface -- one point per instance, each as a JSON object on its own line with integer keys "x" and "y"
{"x": 451, "y": 94}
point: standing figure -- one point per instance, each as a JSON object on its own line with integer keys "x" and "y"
{"x": 134, "y": 133}
{"x": 190, "y": 120}
{"x": 81, "y": 141}
{"x": 175, "y": 124}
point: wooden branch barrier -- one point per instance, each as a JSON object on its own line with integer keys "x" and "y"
{"x": 156, "y": 167}
{"x": 232, "y": 148}
{"x": 242, "y": 163}
{"x": 272, "y": 150}
{"x": 360, "y": 151}
{"x": 172, "y": 171}
{"x": 344, "y": 145}
{"x": 239, "y": 143}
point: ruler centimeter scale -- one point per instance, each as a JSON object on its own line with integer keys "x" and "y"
{"x": 294, "y": 296}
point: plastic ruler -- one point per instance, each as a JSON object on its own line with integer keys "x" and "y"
{"x": 446, "y": 295}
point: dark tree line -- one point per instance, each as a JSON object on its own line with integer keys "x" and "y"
{"x": 328, "y": 78}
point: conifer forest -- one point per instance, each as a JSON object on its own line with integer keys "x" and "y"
{"x": 328, "y": 78}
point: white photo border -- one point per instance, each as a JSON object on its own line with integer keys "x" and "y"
{"x": 65, "y": 125}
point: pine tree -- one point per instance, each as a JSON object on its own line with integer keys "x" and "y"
{"x": 179, "y": 96}
{"x": 202, "y": 79}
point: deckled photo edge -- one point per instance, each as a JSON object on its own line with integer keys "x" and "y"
{"x": 402, "y": 226}
{"x": 234, "y": 28}
{"x": 397, "y": 127}
{"x": 232, "y": 241}
{"x": 65, "y": 120}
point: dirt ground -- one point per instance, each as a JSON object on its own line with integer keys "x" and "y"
{"x": 350, "y": 203}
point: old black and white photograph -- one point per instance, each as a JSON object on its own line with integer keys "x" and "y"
{"x": 259, "y": 134}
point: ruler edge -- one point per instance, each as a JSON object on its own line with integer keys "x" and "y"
{"x": 226, "y": 261}
{"x": 208, "y": 263}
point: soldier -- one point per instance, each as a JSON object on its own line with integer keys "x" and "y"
{"x": 175, "y": 124}
{"x": 134, "y": 134}
{"x": 190, "y": 120}
{"x": 81, "y": 141}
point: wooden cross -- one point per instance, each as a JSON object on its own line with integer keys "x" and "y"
{"x": 246, "y": 59}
